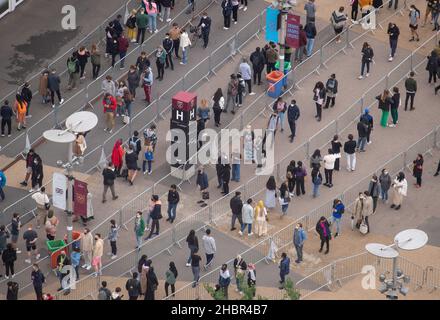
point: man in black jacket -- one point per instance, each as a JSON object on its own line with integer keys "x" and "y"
{"x": 236, "y": 205}
{"x": 109, "y": 175}
{"x": 133, "y": 287}
{"x": 6, "y": 113}
{"x": 226, "y": 177}
{"x": 168, "y": 46}
{"x": 219, "y": 170}
{"x": 53, "y": 84}
{"x": 292, "y": 115}
{"x": 156, "y": 215}
{"x": 258, "y": 61}
{"x": 142, "y": 63}
{"x": 26, "y": 94}
{"x": 173, "y": 200}
{"x": 117, "y": 26}
{"x": 362, "y": 128}
{"x": 205, "y": 24}
{"x": 350, "y": 151}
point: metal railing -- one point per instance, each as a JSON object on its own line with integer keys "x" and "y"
{"x": 328, "y": 274}
{"x": 211, "y": 215}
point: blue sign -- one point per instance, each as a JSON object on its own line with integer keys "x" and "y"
{"x": 271, "y": 24}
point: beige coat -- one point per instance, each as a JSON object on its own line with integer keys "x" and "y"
{"x": 368, "y": 206}
{"x": 98, "y": 250}
{"x": 363, "y": 208}
{"x": 87, "y": 242}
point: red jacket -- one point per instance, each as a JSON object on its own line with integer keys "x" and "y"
{"x": 112, "y": 104}
{"x": 302, "y": 38}
{"x": 123, "y": 44}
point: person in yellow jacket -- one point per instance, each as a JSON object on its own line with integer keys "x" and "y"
{"x": 365, "y": 6}
{"x": 20, "y": 111}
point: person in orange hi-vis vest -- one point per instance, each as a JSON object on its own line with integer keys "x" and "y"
{"x": 20, "y": 111}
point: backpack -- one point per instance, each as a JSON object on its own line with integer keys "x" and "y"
{"x": 71, "y": 65}
{"x": 134, "y": 144}
{"x": 103, "y": 294}
{"x": 241, "y": 86}
{"x": 330, "y": 85}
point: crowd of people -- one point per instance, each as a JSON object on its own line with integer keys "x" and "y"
{"x": 253, "y": 215}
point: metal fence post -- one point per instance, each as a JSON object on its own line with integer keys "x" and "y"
{"x": 411, "y": 61}
{"x": 332, "y": 273}
{"x": 210, "y": 65}
{"x": 404, "y": 160}
{"x": 241, "y": 121}
{"x": 386, "y": 81}
{"x": 362, "y": 103}
{"x": 336, "y": 126}
{"x": 278, "y": 170}
{"x": 307, "y": 149}
{"x": 210, "y": 215}
{"x": 153, "y": 188}
{"x": 435, "y": 137}
{"x": 321, "y": 58}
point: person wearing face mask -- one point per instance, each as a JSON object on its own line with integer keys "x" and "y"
{"x": 385, "y": 185}
{"x": 374, "y": 191}
{"x": 109, "y": 175}
{"x": 37, "y": 173}
{"x": 205, "y": 24}
{"x": 168, "y": 46}
{"x": 98, "y": 251}
{"x": 393, "y": 32}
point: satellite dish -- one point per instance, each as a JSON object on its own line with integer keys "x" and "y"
{"x": 82, "y": 121}
{"x": 59, "y": 136}
{"x": 381, "y": 250}
{"x": 411, "y": 239}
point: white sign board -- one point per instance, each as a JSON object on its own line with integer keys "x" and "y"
{"x": 59, "y": 190}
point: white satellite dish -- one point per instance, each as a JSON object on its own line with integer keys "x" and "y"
{"x": 411, "y": 239}
{"x": 381, "y": 250}
{"x": 82, "y": 121}
{"x": 59, "y": 136}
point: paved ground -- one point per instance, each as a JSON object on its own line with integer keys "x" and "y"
{"x": 31, "y": 40}
{"x": 383, "y": 149}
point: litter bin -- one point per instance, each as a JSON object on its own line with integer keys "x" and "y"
{"x": 275, "y": 84}
{"x": 55, "y": 247}
{"x": 287, "y": 67}
{"x": 75, "y": 236}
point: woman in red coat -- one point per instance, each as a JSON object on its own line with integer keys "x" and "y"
{"x": 118, "y": 156}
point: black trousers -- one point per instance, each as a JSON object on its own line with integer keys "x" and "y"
{"x": 9, "y": 267}
{"x": 327, "y": 243}
{"x": 169, "y": 60}
{"x": 432, "y": 76}
{"x": 374, "y": 203}
{"x": 95, "y": 70}
{"x": 8, "y": 123}
{"x": 354, "y": 12}
{"x": 235, "y": 13}
{"x": 257, "y": 75}
{"x": 173, "y": 288}
{"x": 39, "y": 292}
{"x": 114, "y": 55}
{"x": 328, "y": 176}
{"x": 160, "y": 69}
{"x": 249, "y": 85}
{"x": 419, "y": 179}
{"x": 226, "y": 187}
{"x": 336, "y": 164}
{"x": 36, "y": 181}
{"x": 82, "y": 68}
{"x": 270, "y": 67}
{"x": 176, "y": 44}
{"x": 327, "y": 103}
{"x": 409, "y": 96}
{"x": 291, "y": 185}
{"x": 205, "y": 36}
{"x": 438, "y": 167}
{"x": 217, "y": 117}
{"x": 154, "y": 225}
{"x": 114, "y": 248}
{"x": 292, "y": 125}
{"x": 52, "y": 95}
{"x": 300, "y": 186}
{"x": 140, "y": 35}
{"x": 396, "y": 4}
{"x": 227, "y": 21}
{"x": 318, "y": 110}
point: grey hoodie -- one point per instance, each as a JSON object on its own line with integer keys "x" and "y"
{"x": 209, "y": 244}
{"x": 109, "y": 87}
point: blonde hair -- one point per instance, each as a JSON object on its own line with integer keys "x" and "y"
{"x": 204, "y": 103}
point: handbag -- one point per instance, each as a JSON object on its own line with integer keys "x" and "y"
{"x": 125, "y": 119}
{"x": 205, "y": 195}
{"x": 47, "y": 206}
{"x": 363, "y": 228}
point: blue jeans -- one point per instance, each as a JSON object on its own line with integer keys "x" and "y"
{"x": 152, "y": 21}
{"x": 284, "y": 208}
{"x": 196, "y": 273}
{"x": 185, "y": 55}
{"x": 191, "y": 251}
{"x": 172, "y": 211}
{"x": 310, "y": 44}
{"x": 122, "y": 57}
{"x": 384, "y": 194}
{"x": 128, "y": 108}
{"x": 361, "y": 143}
{"x": 139, "y": 241}
{"x": 236, "y": 172}
{"x": 393, "y": 46}
{"x": 281, "y": 115}
{"x": 315, "y": 190}
{"x": 338, "y": 223}
{"x": 144, "y": 164}
{"x": 249, "y": 225}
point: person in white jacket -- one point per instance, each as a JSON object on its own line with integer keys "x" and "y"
{"x": 210, "y": 248}
{"x": 329, "y": 165}
{"x": 400, "y": 187}
{"x": 185, "y": 43}
{"x": 247, "y": 213}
